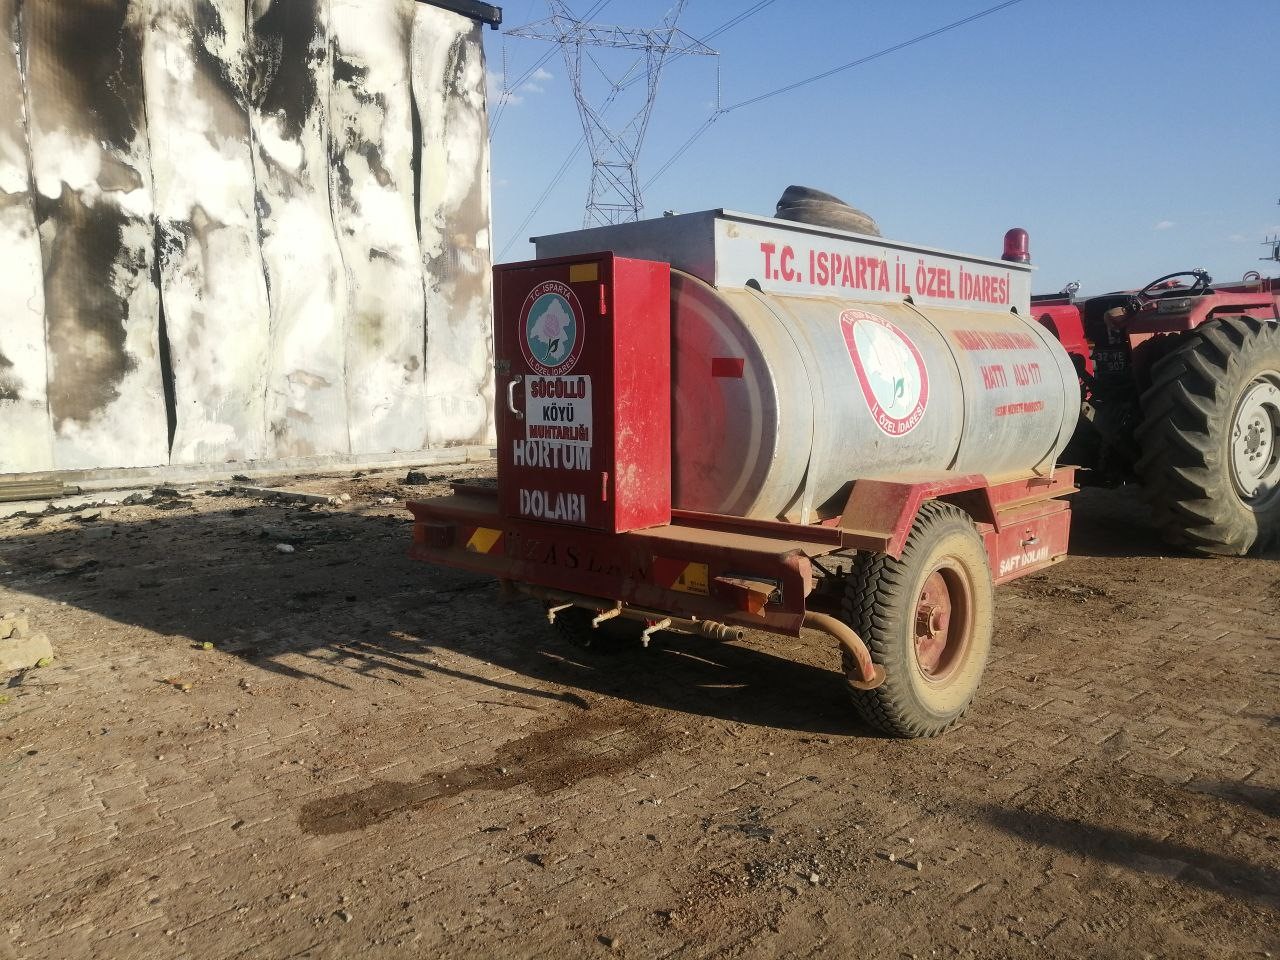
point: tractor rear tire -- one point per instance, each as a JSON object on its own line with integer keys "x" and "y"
{"x": 1210, "y": 438}
{"x": 927, "y": 618}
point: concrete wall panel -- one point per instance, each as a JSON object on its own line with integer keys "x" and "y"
{"x": 449, "y": 88}
{"x": 250, "y": 231}
{"x": 26, "y": 443}
{"x": 373, "y": 152}
{"x": 94, "y": 204}
{"x": 307, "y": 286}
{"x": 213, "y": 291}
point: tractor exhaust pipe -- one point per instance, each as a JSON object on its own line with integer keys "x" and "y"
{"x": 870, "y": 675}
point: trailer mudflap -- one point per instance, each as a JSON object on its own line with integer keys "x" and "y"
{"x": 691, "y": 572}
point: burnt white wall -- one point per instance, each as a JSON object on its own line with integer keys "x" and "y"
{"x": 241, "y": 230}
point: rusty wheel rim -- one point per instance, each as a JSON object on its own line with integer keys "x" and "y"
{"x": 943, "y": 624}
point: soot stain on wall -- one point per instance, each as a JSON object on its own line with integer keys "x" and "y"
{"x": 286, "y": 58}
{"x": 84, "y": 66}
{"x": 86, "y": 49}
{"x": 215, "y": 72}
{"x": 112, "y": 333}
{"x": 350, "y": 75}
{"x": 9, "y": 386}
{"x": 168, "y": 245}
{"x": 87, "y": 316}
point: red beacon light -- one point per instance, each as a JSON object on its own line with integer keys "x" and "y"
{"x": 1017, "y": 246}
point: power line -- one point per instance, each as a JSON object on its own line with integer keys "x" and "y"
{"x": 874, "y": 56}
{"x": 624, "y": 84}
{"x": 555, "y": 182}
{"x": 684, "y": 148}
{"x": 615, "y": 194}
{"x": 509, "y": 90}
{"x": 745, "y": 15}
{"x": 724, "y": 27}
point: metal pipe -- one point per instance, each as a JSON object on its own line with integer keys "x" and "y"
{"x": 552, "y": 611}
{"x": 870, "y": 674}
{"x": 716, "y": 631}
{"x": 559, "y": 600}
{"x": 653, "y": 628}
{"x": 607, "y": 615}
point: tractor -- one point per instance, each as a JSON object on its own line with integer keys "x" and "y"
{"x": 1180, "y": 383}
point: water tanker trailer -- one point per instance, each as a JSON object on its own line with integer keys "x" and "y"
{"x": 716, "y": 422}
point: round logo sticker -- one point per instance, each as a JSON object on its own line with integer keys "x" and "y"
{"x": 890, "y": 369}
{"x": 552, "y": 333}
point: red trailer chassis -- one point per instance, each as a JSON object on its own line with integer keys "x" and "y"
{"x": 717, "y": 575}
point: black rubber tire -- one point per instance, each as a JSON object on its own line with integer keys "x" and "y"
{"x": 806, "y": 205}
{"x": 880, "y": 600}
{"x": 1185, "y": 438}
{"x": 799, "y": 194}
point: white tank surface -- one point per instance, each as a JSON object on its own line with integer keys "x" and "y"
{"x": 805, "y": 358}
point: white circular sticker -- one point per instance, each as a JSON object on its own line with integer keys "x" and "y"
{"x": 891, "y": 372}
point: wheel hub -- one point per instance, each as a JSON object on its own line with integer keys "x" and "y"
{"x": 941, "y": 623}
{"x": 1255, "y": 441}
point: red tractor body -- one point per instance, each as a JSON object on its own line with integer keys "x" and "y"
{"x": 1181, "y": 390}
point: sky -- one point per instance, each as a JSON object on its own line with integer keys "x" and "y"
{"x": 1130, "y": 138}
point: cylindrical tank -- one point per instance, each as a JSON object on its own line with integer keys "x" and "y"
{"x": 782, "y": 401}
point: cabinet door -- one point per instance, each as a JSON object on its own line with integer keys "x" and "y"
{"x": 555, "y": 353}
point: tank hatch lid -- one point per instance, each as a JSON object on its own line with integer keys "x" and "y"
{"x": 728, "y": 249}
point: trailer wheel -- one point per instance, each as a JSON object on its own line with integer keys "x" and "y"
{"x": 927, "y": 618}
{"x": 1210, "y": 438}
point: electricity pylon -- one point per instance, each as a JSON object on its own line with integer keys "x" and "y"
{"x": 1273, "y": 245}
{"x": 615, "y": 194}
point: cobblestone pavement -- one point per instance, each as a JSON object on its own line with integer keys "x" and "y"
{"x": 336, "y": 752}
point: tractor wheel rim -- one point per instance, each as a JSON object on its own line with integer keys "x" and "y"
{"x": 943, "y": 622}
{"x": 1255, "y": 442}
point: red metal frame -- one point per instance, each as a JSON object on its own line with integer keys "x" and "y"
{"x": 1066, "y": 323}
{"x": 1063, "y": 317}
{"x": 731, "y": 570}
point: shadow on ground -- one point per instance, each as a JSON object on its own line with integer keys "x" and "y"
{"x": 1116, "y": 522}
{"x": 348, "y": 600}
{"x": 1132, "y": 850}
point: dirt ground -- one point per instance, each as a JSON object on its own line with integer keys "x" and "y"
{"x": 334, "y": 752}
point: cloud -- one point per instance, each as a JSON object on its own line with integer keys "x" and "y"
{"x": 496, "y": 94}
{"x": 1164, "y": 225}
{"x": 1237, "y": 238}
{"x": 535, "y": 84}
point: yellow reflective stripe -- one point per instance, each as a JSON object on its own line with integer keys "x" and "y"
{"x": 484, "y": 540}
{"x": 693, "y": 580}
{"x": 584, "y": 272}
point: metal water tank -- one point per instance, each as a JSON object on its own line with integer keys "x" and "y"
{"x": 805, "y": 358}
